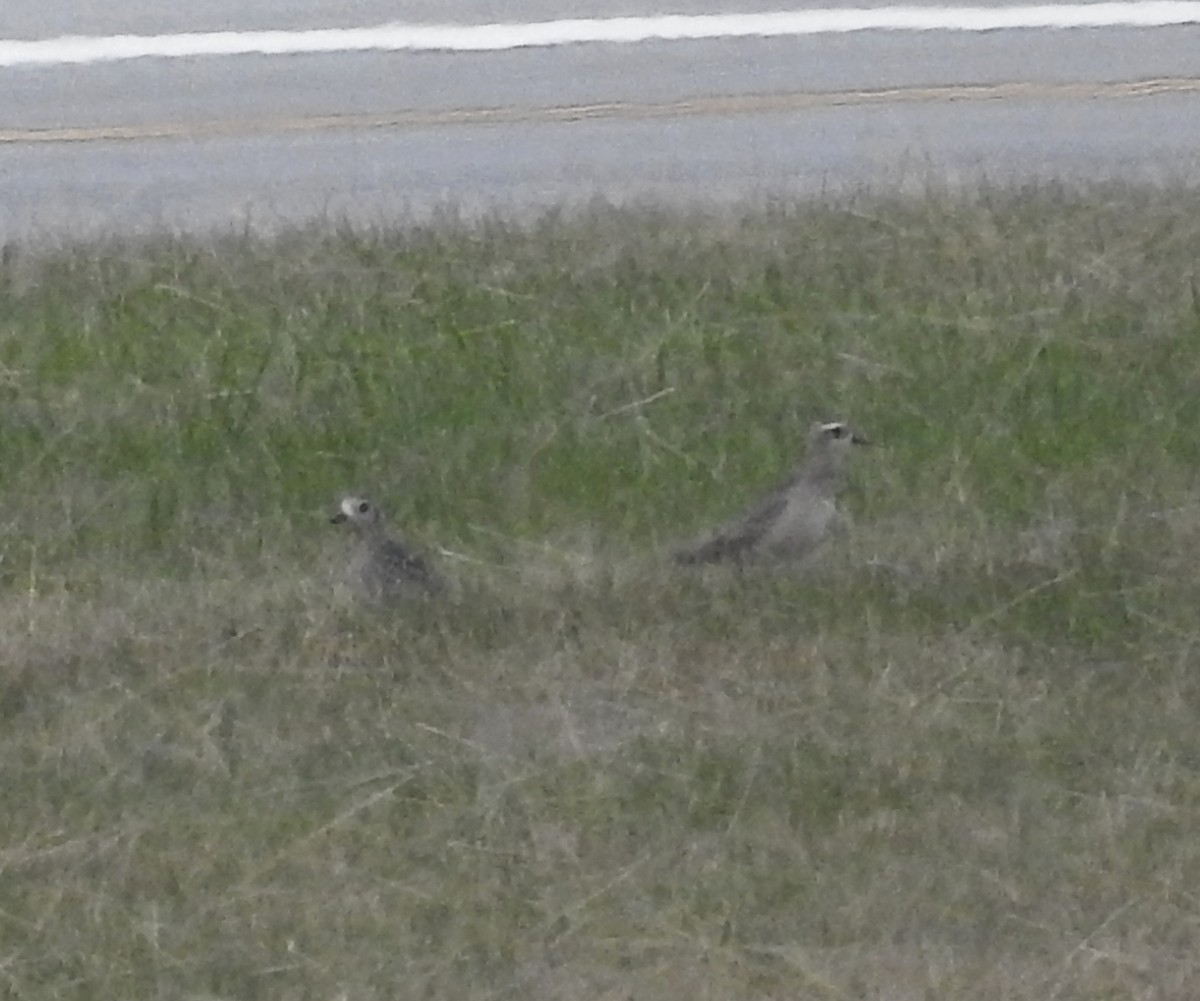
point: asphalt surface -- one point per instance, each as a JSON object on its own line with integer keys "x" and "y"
{"x": 51, "y": 18}
{"x": 211, "y": 143}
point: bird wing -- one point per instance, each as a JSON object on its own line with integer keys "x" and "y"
{"x": 402, "y": 565}
{"x": 739, "y": 535}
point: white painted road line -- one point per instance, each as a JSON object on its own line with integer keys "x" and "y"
{"x": 497, "y": 37}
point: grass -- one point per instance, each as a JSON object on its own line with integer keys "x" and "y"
{"x": 956, "y": 758}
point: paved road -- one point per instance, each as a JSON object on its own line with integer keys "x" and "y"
{"x": 50, "y": 18}
{"x": 209, "y": 142}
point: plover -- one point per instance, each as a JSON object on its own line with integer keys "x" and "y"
{"x": 793, "y": 520}
{"x": 383, "y": 567}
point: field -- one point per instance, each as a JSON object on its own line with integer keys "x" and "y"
{"x": 956, "y": 757}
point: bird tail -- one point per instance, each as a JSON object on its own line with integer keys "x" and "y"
{"x": 708, "y": 551}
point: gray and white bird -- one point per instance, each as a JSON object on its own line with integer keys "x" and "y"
{"x": 793, "y": 520}
{"x": 383, "y": 567}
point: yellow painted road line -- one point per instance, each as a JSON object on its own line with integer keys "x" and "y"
{"x": 745, "y": 104}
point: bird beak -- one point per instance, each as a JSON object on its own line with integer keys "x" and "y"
{"x": 338, "y": 518}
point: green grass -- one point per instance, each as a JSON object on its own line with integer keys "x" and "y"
{"x": 956, "y": 758}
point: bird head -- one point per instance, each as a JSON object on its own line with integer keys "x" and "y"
{"x": 829, "y": 443}
{"x": 834, "y": 435}
{"x": 359, "y": 512}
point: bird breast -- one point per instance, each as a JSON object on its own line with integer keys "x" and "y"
{"x": 801, "y": 526}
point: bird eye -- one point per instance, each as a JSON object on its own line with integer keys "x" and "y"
{"x": 364, "y": 507}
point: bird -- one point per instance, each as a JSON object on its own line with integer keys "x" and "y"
{"x": 793, "y": 520}
{"x": 383, "y": 567}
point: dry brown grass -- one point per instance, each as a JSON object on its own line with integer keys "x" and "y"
{"x": 957, "y": 758}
